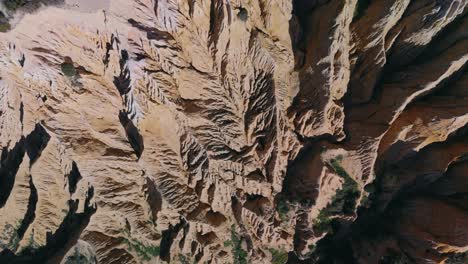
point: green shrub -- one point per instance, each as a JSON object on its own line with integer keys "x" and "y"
{"x": 366, "y": 201}
{"x": 238, "y": 253}
{"x": 227, "y": 243}
{"x": 283, "y": 208}
{"x": 323, "y": 221}
{"x": 14, "y": 4}
{"x": 370, "y": 188}
{"x": 30, "y": 246}
{"x": 459, "y": 258}
{"x": 183, "y": 259}
{"x": 344, "y": 201}
{"x": 312, "y": 248}
{"x": 243, "y": 14}
{"x": 4, "y": 27}
{"x": 73, "y": 75}
{"x": 278, "y": 256}
{"x": 14, "y": 241}
{"x": 345, "y": 198}
{"x": 9, "y": 237}
{"x": 143, "y": 251}
{"x": 68, "y": 69}
{"x": 395, "y": 258}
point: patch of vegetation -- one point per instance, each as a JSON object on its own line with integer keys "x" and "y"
{"x": 30, "y": 246}
{"x": 344, "y": 201}
{"x": 314, "y": 252}
{"x": 370, "y": 188}
{"x": 323, "y": 222}
{"x": 31, "y": 242}
{"x": 395, "y": 258}
{"x": 10, "y": 236}
{"x": 5, "y": 26}
{"x": 283, "y": 208}
{"x": 312, "y": 248}
{"x": 14, "y": 4}
{"x": 323, "y": 149}
{"x": 183, "y": 259}
{"x": 238, "y": 253}
{"x": 227, "y": 243}
{"x": 145, "y": 252}
{"x": 370, "y": 191}
{"x": 243, "y": 14}
{"x": 77, "y": 258}
{"x": 14, "y": 241}
{"x": 68, "y": 69}
{"x": 361, "y": 6}
{"x": 365, "y": 201}
{"x": 345, "y": 198}
{"x": 278, "y": 256}
{"x": 460, "y": 258}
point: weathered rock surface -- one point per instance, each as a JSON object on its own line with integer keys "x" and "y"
{"x": 219, "y": 131}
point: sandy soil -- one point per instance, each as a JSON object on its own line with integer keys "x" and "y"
{"x": 87, "y": 5}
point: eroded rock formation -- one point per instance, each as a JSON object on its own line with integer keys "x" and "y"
{"x": 219, "y": 131}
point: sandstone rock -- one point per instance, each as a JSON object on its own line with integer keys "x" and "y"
{"x": 169, "y": 131}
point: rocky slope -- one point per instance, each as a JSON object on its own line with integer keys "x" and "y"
{"x": 304, "y": 131}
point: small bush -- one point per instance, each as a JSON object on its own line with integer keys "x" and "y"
{"x": 345, "y": 198}
{"x": 10, "y": 236}
{"x": 183, "y": 259}
{"x": 4, "y": 27}
{"x": 14, "y": 242}
{"x": 73, "y": 75}
{"x": 238, "y": 253}
{"x": 14, "y": 4}
{"x": 30, "y": 246}
{"x": 323, "y": 222}
{"x": 344, "y": 201}
{"x": 395, "y": 258}
{"x": 243, "y": 14}
{"x": 459, "y": 258}
{"x": 278, "y": 256}
{"x": 68, "y": 69}
{"x": 282, "y": 208}
{"x": 366, "y": 201}
{"x": 143, "y": 251}
{"x": 335, "y": 163}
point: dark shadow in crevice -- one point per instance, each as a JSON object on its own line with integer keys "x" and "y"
{"x": 58, "y": 243}
{"x": 431, "y": 50}
{"x": 36, "y": 142}
{"x": 133, "y": 135}
{"x": 377, "y": 223}
{"x": 153, "y": 198}
{"x": 152, "y": 33}
{"x": 168, "y": 238}
{"x": 31, "y": 211}
{"x": 10, "y": 161}
{"x": 73, "y": 178}
{"x": 123, "y": 81}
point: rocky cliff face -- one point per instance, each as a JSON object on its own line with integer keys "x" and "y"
{"x": 303, "y": 131}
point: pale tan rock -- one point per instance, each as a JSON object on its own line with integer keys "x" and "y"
{"x": 156, "y": 131}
